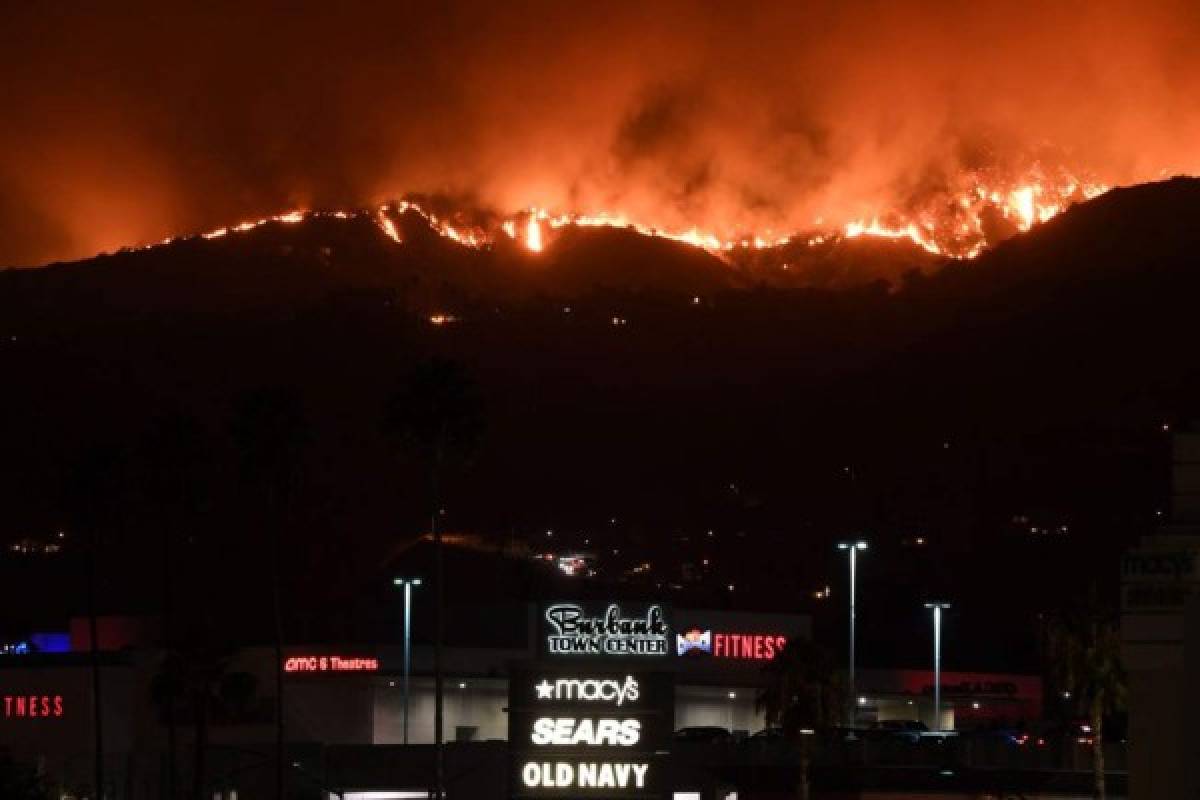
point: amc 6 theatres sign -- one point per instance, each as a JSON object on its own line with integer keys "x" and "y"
{"x": 577, "y": 733}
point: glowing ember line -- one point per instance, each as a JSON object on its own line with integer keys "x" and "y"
{"x": 875, "y": 228}
{"x": 951, "y": 225}
{"x": 289, "y": 218}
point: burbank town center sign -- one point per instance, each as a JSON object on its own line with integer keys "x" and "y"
{"x": 573, "y": 631}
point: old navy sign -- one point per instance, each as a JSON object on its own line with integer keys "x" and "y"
{"x": 572, "y": 631}
{"x": 584, "y": 775}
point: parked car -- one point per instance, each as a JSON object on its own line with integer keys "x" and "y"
{"x": 908, "y": 730}
{"x": 768, "y": 735}
{"x": 704, "y": 734}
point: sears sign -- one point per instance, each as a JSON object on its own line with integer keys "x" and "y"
{"x": 585, "y": 733}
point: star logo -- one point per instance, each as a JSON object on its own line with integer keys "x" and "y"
{"x": 545, "y": 690}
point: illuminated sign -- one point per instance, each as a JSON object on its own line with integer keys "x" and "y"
{"x": 750, "y": 646}
{"x": 22, "y": 706}
{"x": 694, "y": 641}
{"x": 584, "y": 775}
{"x": 330, "y": 664}
{"x": 579, "y": 733}
{"x": 589, "y": 689}
{"x": 573, "y": 632}
{"x": 568, "y": 731}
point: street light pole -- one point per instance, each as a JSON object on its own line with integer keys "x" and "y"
{"x": 937, "y": 662}
{"x": 853, "y": 548}
{"x": 408, "y": 584}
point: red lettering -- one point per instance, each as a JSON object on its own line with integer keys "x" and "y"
{"x": 757, "y": 646}
{"x": 33, "y": 706}
{"x": 330, "y": 664}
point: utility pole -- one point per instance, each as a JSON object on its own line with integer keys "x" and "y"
{"x": 852, "y": 547}
{"x": 937, "y": 662}
{"x": 408, "y": 584}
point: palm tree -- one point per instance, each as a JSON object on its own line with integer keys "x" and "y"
{"x": 95, "y": 497}
{"x": 196, "y": 678}
{"x": 1083, "y": 651}
{"x": 270, "y": 431}
{"x": 189, "y": 679}
{"x": 801, "y": 697}
{"x": 436, "y": 418}
{"x": 174, "y": 461}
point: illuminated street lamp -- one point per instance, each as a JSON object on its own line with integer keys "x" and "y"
{"x": 852, "y": 547}
{"x": 937, "y": 662}
{"x": 408, "y": 584}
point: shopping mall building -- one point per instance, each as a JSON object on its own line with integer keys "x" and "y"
{"x": 623, "y": 675}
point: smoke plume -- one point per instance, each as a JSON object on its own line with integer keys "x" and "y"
{"x": 125, "y": 125}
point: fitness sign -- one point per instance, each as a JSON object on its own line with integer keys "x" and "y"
{"x": 588, "y": 733}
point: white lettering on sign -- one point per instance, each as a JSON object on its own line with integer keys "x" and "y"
{"x": 575, "y": 633}
{"x": 592, "y": 690}
{"x": 584, "y": 775}
{"x": 1158, "y": 565}
{"x": 567, "y": 731}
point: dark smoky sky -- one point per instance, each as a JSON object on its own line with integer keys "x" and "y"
{"x": 122, "y": 124}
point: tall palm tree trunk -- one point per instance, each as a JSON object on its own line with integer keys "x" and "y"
{"x": 1100, "y": 788}
{"x": 169, "y": 640}
{"x": 199, "y": 763}
{"x": 277, "y": 612}
{"x": 93, "y": 634}
{"x": 439, "y": 630}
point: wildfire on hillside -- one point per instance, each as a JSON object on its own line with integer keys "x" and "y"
{"x": 957, "y": 222}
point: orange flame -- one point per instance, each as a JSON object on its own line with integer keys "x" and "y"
{"x": 953, "y": 227}
{"x": 533, "y": 234}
